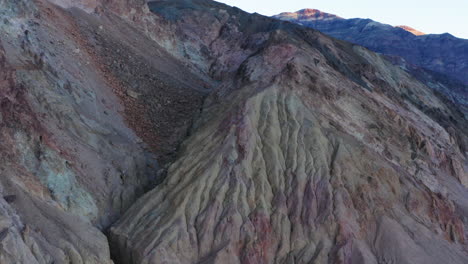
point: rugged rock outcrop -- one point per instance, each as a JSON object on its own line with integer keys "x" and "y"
{"x": 440, "y": 53}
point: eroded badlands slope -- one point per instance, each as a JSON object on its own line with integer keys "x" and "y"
{"x": 91, "y": 112}
{"x": 297, "y": 148}
{"x": 311, "y": 150}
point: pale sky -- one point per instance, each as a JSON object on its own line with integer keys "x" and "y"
{"x": 429, "y": 16}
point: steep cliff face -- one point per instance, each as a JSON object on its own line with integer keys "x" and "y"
{"x": 440, "y": 53}
{"x": 311, "y": 150}
{"x": 255, "y": 141}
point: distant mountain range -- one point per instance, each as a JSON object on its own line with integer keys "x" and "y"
{"x": 442, "y": 53}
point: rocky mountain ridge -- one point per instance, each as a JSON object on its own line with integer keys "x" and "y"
{"x": 412, "y": 30}
{"x": 309, "y": 14}
{"x": 215, "y": 136}
{"x": 442, "y": 53}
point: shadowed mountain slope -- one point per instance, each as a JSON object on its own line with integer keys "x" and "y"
{"x": 440, "y": 61}
{"x": 440, "y": 53}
